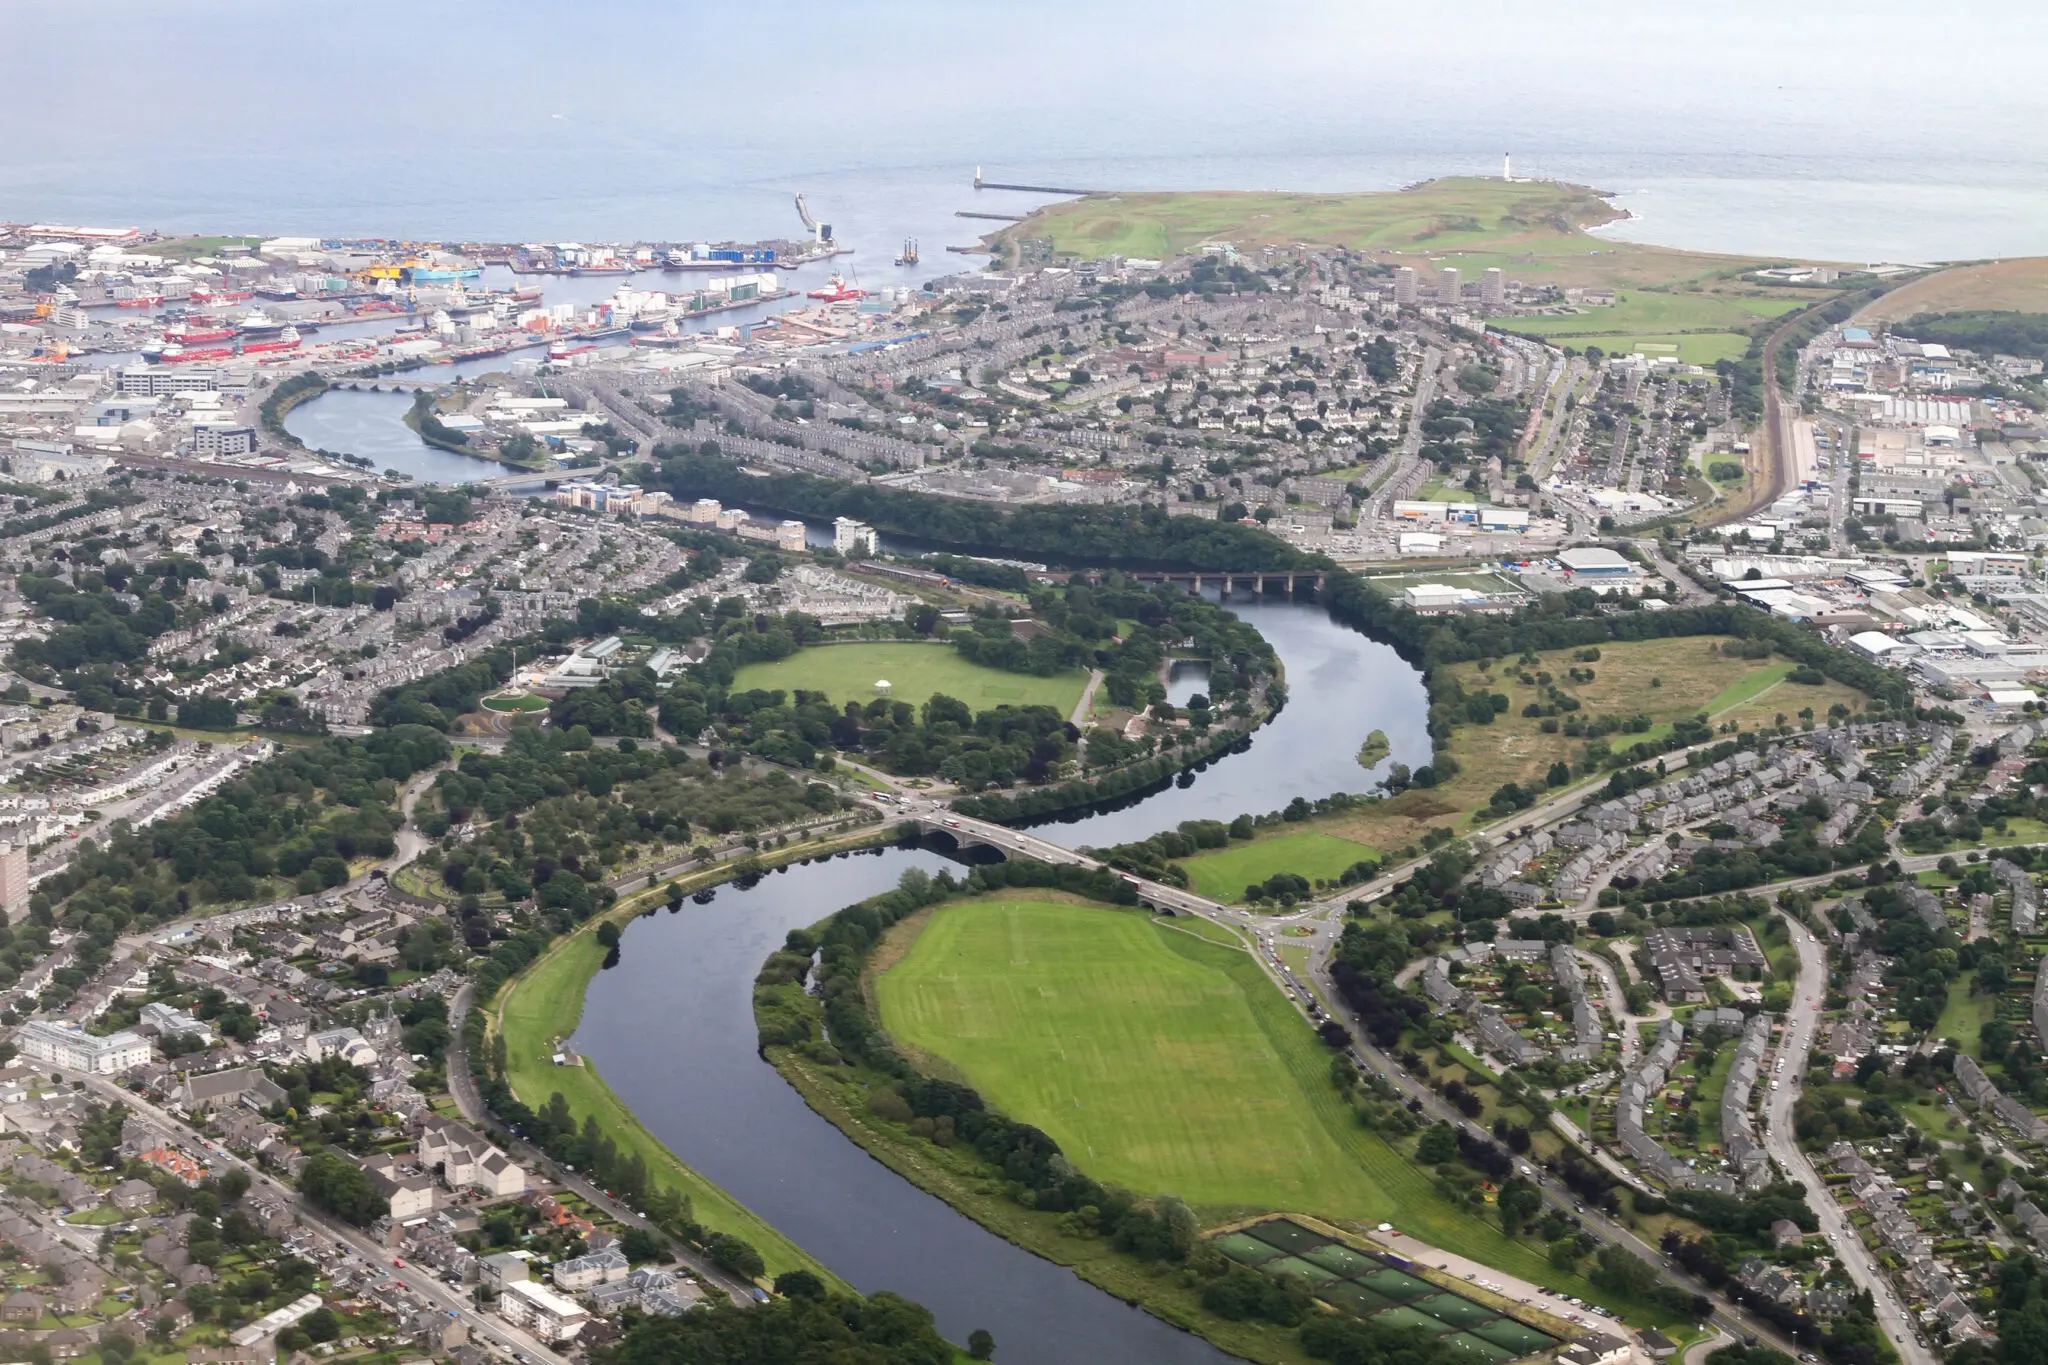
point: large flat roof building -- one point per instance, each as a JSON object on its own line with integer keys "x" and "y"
{"x": 70, "y": 1048}
{"x": 1595, "y": 559}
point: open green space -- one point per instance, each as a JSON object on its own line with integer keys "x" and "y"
{"x": 1690, "y": 348}
{"x": 1964, "y": 1016}
{"x": 1533, "y": 230}
{"x": 1660, "y": 680}
{"x": 544, "y": 1006}
{"x": 1224, "y": 874}
{"x": 1653, "y": 315}
{"x": 914, "y": 672}
{"x": 1165, "y": 1064}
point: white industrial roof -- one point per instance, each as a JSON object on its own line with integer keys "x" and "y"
{"x": 1591, "y": 557}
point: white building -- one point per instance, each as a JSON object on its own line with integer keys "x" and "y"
{"x": 69, "y": 1048}
{"x": 851, "y": 537}
{"x": 535, "y": 1306}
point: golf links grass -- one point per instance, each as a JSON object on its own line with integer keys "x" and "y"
{"x": 1164, "y": 1063}
{"x": 849, "y": 673}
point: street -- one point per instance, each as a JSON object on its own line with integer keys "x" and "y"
{"x": 423, "y": 1283}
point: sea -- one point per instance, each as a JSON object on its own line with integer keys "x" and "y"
{"x": 1856, "y": 132}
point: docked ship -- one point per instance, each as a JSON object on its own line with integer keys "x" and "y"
{"x": 194, "y": 330}
{"x": 837, "y": 290}
{"x": 260, "y": 324}
{"x": 286, "y": 340}
{"x": 602, "y": 268}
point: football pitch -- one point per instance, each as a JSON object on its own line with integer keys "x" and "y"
{"x": 914, "y": 672}
{"x": 1161, "y": 1062}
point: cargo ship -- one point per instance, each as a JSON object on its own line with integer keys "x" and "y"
{"x": 202, "y": 294}
{"x": 562, "y": 350}
{"x": 609, "y": 268}
{"x": 141, "y": 301}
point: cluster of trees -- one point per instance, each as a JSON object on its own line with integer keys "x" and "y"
{"x": 561, "y": 816}
{"x": 1120, "y": 536}
{"x": 301, "y": 818}
{"x": 806, "y": 1325}
{"x": 334, "y": 1184}
{"x": 1854, "y": 1338}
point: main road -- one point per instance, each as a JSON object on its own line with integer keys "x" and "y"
{"x": 1782, "y": 1142}
{"x": 420, "y": 1281}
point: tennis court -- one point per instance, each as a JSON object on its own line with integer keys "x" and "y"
{"x": 1292, "y": 1238}
{"x": 1404, "y": 1316}
{"x": 1342, "y": 1259}
{"x": 1397, "y": 1286}
{"x": 1353, "y": 1298}
{"x": 1458, "y": 1312}
{"x": 1295, "y": 1265}
{"x": 1478, "y": 1348}
{"x": 1246, "y": 1250}
{"x": 1369, "y": 1285}
{"x": 1518, "y": 1338}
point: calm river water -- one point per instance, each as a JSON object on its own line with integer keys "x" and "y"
{"x": 672, "y": 1028}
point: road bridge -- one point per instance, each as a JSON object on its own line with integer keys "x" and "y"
{"x": 969, "y": 833}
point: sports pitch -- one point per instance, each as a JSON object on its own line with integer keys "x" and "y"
{"x": 849, "y": 672}
{"x": 1224, "y": 874}
{"x": 1371, "y": 1286}
{"x": 1164, "y": 1063}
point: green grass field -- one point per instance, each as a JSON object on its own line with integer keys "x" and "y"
{"x": 523, "y": 703}
{"x": 1691, "y": 348}
{"x": 1652, "y": 313}
{"x": 1224, "y": 874}
{"x": 545, "y": 1005}
{"x": 849, "y": 673}
{"x": 1964, "y": 1016}
{"x": 1165, "y": 1064}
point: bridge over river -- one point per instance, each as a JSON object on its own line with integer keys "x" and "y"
{"x": 970, "y": 833}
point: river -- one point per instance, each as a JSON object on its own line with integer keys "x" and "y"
{"x": 672, "y": 1027}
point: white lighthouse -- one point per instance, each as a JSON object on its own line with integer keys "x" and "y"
{"x": 1507, "y": 167}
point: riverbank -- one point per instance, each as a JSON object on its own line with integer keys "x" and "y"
{"x": 416, "y": 419}
{"x": 541, "y": 1007}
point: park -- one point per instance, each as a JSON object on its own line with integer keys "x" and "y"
{"x": 914, "y": 673}
{"x": 1160, "y": 1059}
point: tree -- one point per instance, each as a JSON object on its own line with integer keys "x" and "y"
{"x": 1623, "y": 1273}
{"x": 1518, "y": 1201}
{"x": 337, "y": 1185}
{"x": 981, "y": 1345}
{"x": 799, "y": 1284}
{"x": 1439, "y": 1144}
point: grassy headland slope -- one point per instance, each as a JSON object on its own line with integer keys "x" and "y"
{"x": 2018, "y": 286}
{"x": 1535, "y": 230}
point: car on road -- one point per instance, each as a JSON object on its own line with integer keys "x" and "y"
{"x": 398, "y": 1261}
